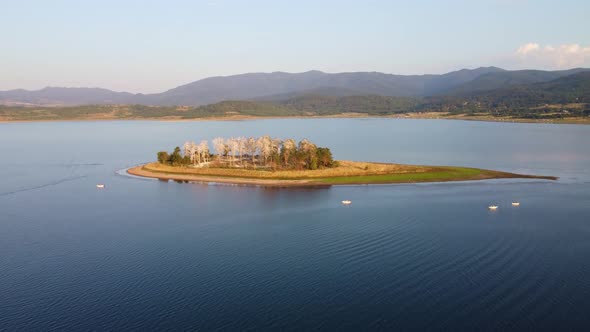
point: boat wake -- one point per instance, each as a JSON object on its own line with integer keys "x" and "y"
{"x": 55, "y": 183}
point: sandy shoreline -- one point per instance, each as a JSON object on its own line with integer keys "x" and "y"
{"x": 139, "y": 171}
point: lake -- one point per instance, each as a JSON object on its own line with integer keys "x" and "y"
{"x": 151, "y": 255}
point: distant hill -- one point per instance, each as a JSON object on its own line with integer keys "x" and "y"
{"x": 568, "y": 89}
{"x": 446, "y": 83}
{"x": 519, "y": 100}
{"x": 308, "y": 105}
{"x": 564, "y": 97}
{"x": 502, "y": 79}
{"x": 250, "y": 86}
{"x": 321, "y": 91}
{"x": 64, "y": 96}
{"x": 369, "y": 104}
{"x": 280, "y": 86}
{"x": 524, "y": 100}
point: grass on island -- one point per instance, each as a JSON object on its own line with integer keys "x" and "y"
{"x": 348, "y": 172}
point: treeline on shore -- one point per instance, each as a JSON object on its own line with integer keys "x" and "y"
{"x": 251, "y": 153}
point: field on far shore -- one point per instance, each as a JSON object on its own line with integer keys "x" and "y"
{"x": 186, "y": 113}
{"x": 348, "y": 172}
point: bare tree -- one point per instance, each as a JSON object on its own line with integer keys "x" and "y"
{"x": 288, "y": 149}
{"x": 186, "y": 149}
{"x": 197, "y": 154}
{"x": 204, "y": 151}
{"x": 241, "y": 144}
{"x": 251, "y": 148}
{"x": 232, "y": 145}
{"x": 220, "y": 147}
{"x": 264, "y": 145}
{"x": 275, "y": 148}
{"x": 189, "y": 149}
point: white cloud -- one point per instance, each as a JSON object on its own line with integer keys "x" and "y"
{"x": 553, "y": 57}
{"x": 527, "y": 48}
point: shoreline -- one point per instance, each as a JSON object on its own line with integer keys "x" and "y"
{"x": 423, "y": 116}
{"x": 420, "y": 174}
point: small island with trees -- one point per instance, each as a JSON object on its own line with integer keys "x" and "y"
{"x": 267, "y": 161}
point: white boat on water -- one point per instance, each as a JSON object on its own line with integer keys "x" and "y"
{"x": 493, "y": 207}
{"x": 100, "y": 186}
{"x": 346, "y": 202}
{"x": 515, "y": 203}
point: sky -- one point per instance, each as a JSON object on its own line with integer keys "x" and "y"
{"x": 152, "y": 46}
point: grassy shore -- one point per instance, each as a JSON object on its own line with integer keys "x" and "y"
{"x": 348, "y": 172}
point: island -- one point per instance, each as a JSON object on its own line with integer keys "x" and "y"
{"x": 266, "y": 161}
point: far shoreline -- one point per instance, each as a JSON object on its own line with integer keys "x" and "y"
{"x": 416, "y": 116}
{"x": 410, "y": 174}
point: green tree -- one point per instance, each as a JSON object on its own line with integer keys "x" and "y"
{"x": 324, "y": 156}
{"x": 163, "y": 157}
{"x": 176, "y": 157}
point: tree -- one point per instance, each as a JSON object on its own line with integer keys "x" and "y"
{"x": 264, "y": 145}
{"x": 219, "y": 146}
{"x": 233, "y": 145}
{"x": 307, "y": 152}
{"x": 324, "y": 156}
{"x": 204, "y": 151}
{"x": 241, "y": 144}
{"x": 197, "y": 153}
{"x": 189, "y": 149}
{"x": 251, "y": 148}
{"x": 275, "y": 146}
{"x": 163, "y": 157}
{"x": 287, "y": 151}
{"x": 176, "y": 158}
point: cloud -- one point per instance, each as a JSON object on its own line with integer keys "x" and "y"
{"x": 553, "y": 57}
{"x": 527, "y": 48}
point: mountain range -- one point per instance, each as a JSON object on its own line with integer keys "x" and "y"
{"x": 280, "y": 86}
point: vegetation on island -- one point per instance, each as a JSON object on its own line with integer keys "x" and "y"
{"x": 263, "y": 153}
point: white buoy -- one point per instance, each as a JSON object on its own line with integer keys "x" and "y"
{"x": 493, "y": 207}
{"x": 100, "y": 186}
{"x": 346, "y": 202}
{"x": 515, "y": 203}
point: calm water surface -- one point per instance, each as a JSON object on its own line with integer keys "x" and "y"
{"x": 146, "y": 255}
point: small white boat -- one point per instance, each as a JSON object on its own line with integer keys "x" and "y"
{"x": 493, "y": 207}
{"x": 100, "y": 186}
{"x": 515, "y": 203}
{"x": 346, "y": 202}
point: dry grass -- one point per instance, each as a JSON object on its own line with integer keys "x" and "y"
{"x": 560, "y": 106}
{"x": 346, "y": 168}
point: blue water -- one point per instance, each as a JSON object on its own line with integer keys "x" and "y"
{"x": 152, "y": 255}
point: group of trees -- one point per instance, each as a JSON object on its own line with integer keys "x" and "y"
{"x": 191, "y": 154}
{"x": 251, "y": 152}
{"x": 197, "y": 153}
